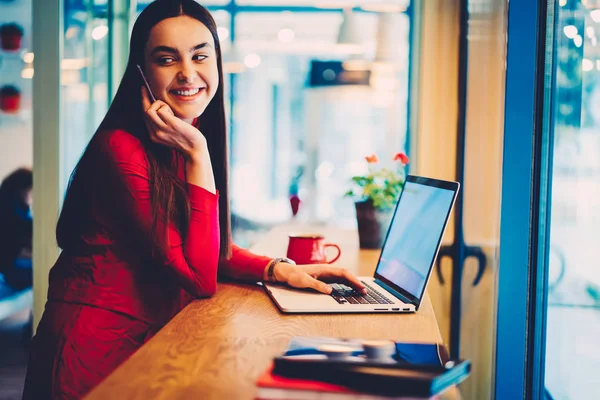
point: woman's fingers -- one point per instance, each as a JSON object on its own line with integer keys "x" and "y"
{"x": 186, "y": 135}
{"x": 153, "y": 114}
{"x": 167, "y": 109}
{"x": 164, "y": 127}
{"x": 349, "y": 278}
{"x": 315, "y": 276}
{"x": 158, "y": 129}
{"x": 151, "y": 109}
{"x": 301, "y": 279}
{"x": 146, "y": 103}
{"x": 168, "y": 117}
{"x": 317, "y": 285}
{"x": 333, "y": 274}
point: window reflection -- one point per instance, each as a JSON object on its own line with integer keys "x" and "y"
{"x": 573, "y": 324}
{"x": 314, "y": 92}
{"x": 84, "y": 78}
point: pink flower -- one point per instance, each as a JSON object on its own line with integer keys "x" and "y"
{"x": 403, "y": 158}
{"x": 372, "y": 159}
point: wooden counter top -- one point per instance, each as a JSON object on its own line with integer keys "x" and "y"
{"x": 216, "y": 348}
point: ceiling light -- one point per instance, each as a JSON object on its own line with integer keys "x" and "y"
{"x": 99, "y": 32}
{"x": 286, "y": 35}
{"x": 570, "y": 31}
{"x": 71, "y": 32}
{"x": 590, "y": 31}
{"x": 252, "y": 60}
{"x": 27, "y": 73}
{"x": 222, "y": 33}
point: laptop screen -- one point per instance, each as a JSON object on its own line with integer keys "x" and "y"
{"x": 415, "y": 233}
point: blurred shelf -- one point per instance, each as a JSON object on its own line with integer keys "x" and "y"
{"x": 13, "y": 55}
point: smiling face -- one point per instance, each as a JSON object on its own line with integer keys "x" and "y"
{"x": 181, "y": 65}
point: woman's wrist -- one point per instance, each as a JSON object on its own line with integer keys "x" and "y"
{"x": 277, "y": 270}
{"x": 280, "y": 271}
{"x": 197, "y": 155}
{"x": 198, "y": 171}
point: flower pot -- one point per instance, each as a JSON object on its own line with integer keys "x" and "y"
{"x": 373, "y": 224}
{"x": 294, "y": 204}
{"x": 10, "y": 103}
{"x": 11, "y": 42}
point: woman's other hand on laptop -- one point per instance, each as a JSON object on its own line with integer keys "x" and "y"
{"x": 315, "y": 276}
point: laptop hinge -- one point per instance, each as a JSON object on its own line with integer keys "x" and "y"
{"x": 394, "y": 292}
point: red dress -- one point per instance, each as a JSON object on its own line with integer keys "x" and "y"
{"x": 103, "y": 306}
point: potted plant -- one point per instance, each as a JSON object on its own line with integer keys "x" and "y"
{"x": 375, "y": 195}
{"x": 10, "y": 99}
{"x": 10, "y": 36}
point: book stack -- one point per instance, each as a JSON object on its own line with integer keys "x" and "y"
{"x": 331, "y": 368}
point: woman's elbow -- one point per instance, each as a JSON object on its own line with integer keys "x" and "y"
{"x": 208, "y": 291}
{"x": 203, "y": 277}
{"x": 205, "y": 288}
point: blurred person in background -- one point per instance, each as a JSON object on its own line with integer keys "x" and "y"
{"x": 16, "y": 229}
{"x": 145, "y": 225}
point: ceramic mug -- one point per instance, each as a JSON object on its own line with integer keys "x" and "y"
{"x": 308, "y": 248}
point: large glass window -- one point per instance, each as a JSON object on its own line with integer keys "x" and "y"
{"x": 573, "y": 318}
{"x": 84, "y": 77}
{"x": 290, "y": 102}
{"x": 302, "y": 76}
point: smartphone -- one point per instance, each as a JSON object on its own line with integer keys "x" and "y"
{"x": 146, "y": 83}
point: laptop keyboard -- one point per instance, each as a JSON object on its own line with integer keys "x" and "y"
{"x": 344, "y": 294}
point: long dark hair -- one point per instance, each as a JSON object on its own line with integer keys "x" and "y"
{"x": 169, "y": 198}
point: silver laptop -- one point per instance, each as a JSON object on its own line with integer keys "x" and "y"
{"x": 405, "y": 264}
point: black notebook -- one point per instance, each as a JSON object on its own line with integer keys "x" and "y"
{"x": 407, "y": 369}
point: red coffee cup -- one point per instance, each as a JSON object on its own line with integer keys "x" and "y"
{"x": 308, "y": 248}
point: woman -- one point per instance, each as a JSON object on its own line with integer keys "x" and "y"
{"x": 145, "y": 223}
{"x": 16, "y": 228}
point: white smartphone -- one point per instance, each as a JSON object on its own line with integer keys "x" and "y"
{"x": 146, "y": 83}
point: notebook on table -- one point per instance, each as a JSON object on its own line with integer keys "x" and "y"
{"x": 413, "y": 370}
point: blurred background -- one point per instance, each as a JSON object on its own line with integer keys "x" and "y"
{"x": 314, "y": 86}
{"x": 301, "y": 77}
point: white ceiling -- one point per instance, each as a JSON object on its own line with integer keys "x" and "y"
{"x": 313, "y": 3}
{"x": 321, "y": 3}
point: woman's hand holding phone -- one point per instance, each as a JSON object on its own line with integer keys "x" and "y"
{"x": 167, "y": 129}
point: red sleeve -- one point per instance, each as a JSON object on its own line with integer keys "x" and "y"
{"x": 244, "y": 265}
{"x": 193, "y": 263}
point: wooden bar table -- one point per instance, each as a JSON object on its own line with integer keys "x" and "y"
{"x": 216, "y": 348}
